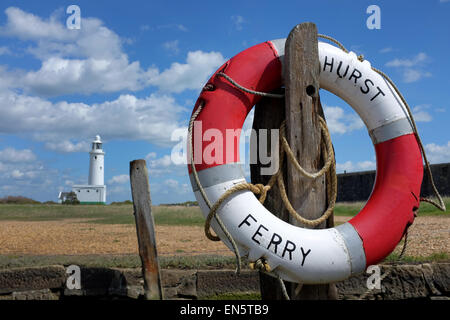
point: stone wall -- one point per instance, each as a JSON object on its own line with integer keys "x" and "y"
{"x": 357, "y": 186}
{"x": 422, "y": 281}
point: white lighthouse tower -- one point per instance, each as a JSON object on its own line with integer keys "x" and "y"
{"x": 95, "y": 191}
{"x": 96, "y": 163}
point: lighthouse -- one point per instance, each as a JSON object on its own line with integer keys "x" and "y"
{"x": 96, "y": 163}
{"x": 95, "y": 191}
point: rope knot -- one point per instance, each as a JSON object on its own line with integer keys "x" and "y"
{"x": 260, "y": 265}
{"x": 361, "y": 57}
{"x": 262, "y": 191}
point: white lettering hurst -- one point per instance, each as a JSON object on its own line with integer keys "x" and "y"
{"x": 278, "y": 244}
{"x": 366, "y": 85}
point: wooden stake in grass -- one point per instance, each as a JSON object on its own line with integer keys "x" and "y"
{"x": 140, "y": 190}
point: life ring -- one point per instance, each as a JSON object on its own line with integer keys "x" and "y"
{"x": 299, "y": 254}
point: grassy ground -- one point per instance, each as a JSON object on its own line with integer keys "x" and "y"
{"x": 163, "y": 215}
{"x": 123, "y": 214}
{"x": 426, "y": 209}
{"x": 119, "y": 261}
{"x": 166, "y": 262}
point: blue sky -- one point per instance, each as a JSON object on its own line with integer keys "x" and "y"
{"x": 133, "y": 70}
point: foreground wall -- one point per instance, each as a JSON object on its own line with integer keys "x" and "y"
{"x": 357, "y": 186}
{"x": 421, "y": 281}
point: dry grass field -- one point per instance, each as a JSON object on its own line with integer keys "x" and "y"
{"x": 110, "y": 230}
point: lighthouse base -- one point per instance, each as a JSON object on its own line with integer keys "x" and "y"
{"x": 90, "y": 194}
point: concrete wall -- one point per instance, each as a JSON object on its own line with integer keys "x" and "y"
{"x": 420, "y": 281}
{"x": 357, "y": 186}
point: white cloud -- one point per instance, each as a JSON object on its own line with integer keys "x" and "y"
{"x": 85, "y": 61}
{"x": 181, "y": 27}
{"x": 412, "y": 69}
{"x": 66, "y": 146}
{"x": 164, "y": 161}
{"x": 17, "y": 174}
{"x": 340, "y": 122}
{"x": 172, "y": 47}
{"x": 27, "y": 26}
{"x": 4, "y": 51}
{"x": 386, "y": 50}
{"x": 53, "y": 38}
{"x": 350, "y": 166}
{"x": 438, "y": 153}
{"x": 191, "y": 75}
{"x": 60, "y": 76}
{"x": 412, "y": 75}
{"x": 173, "y": 26}
{"x": 164, "y": 166}
{"x": 419, "y": 58}
{"x": 120, "y": 179}
{"x": 238, "y": 22}
{"x": 8, "y": 77}
{"x": 91, "y": 59}
{"x": 172, "y": 185}
{"x": 151, "y": 118}
{"x": 23, "y": 173}
{"x": 20, "y": 165}
{"x": 420, "y": 114}
{"x": 118, "y": 190}
{"x": 16, "y": 156}
{"x": 151, "y": 155}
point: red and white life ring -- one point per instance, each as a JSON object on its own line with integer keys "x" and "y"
{"x": 298, "y": 254}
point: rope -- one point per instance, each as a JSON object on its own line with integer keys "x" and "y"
{"x": 263, "y": 267}
{"x": 257, "y": 189}
{"x": 327, "y": 149}
{"x": 340, "y": 45}
{"x": 294, "y": 161}
{"x": 258, "y": 93}
{"x": 278, "y": 177}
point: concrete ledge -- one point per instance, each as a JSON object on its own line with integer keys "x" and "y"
{"x": 216, "y": 282}
{"x": 28, "y": 279}
{"x": 403, "y": 282}
{"x": 421, "y": 281}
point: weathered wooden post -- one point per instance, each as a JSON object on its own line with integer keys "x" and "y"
{"x": 301, "y": 110}
{"x": 140, "y": 190}
{"x": 269, "y": 114}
